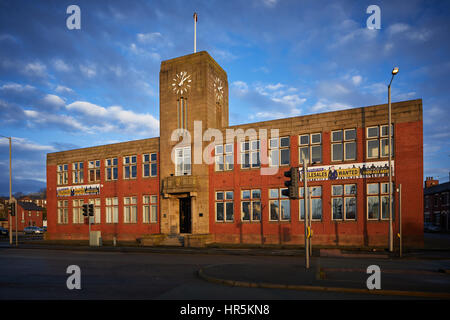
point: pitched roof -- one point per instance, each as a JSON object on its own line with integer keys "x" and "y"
{"x": 437, "y": 188}
{"x": 29, "y": 206}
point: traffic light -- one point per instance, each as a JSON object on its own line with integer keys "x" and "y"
{"x": 85, "y": 210}
{"x": 12, "y": 209}
{"x": 91, "y": 210}
{"x": 292, "y": 184}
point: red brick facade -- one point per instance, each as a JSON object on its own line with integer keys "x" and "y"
{"x": 202, "y": 185}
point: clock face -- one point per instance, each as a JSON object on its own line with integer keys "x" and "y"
{"x": 181, "y": 83}
{"x": 218, "y": 88}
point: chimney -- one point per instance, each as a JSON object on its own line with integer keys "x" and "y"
{"x": 429, "y": 182}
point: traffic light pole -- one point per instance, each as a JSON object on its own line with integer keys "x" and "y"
{"x": 305, "y": 202}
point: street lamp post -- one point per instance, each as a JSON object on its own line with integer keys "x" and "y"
{"x": 10, "y": 192}
{"x": 391, "y": 240}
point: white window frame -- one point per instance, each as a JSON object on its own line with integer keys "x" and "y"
{"x": 94, "y": 166}
{"x": 111, "y": 167}
{"x": 301, "y": 205}
{"x": 225, "y": 200}
{"x": 252, "y": 201}
{"x": 78, "y": 172}
{"x": 62, "y": 176}
{"x": 112, "y": 210}
{"x": 183, "y": 158}
{"x": 280, "y": 198}
{"x": 150, "y": 163}
{"x": 130, "y": 164}
{"x": 310, "y": 145}
{"x": 344, "y": 196}
{"x": 130, "y": 209}
{"x": 150, "y": 208}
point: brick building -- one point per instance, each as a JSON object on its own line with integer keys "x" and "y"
{"x": 227, "y": 186}
{"x": 437, "y": 203}
{"x": 28, "y": 214}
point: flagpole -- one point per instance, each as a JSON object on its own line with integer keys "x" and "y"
{"x": 195, "y": 32}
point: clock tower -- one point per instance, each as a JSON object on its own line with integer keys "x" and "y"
{"x": 192, "y": 88}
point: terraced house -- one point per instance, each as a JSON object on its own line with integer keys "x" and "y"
{"x": 204, "y": 181}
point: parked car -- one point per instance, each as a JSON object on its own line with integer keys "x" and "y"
{"x": 3, "y": 231}
{"x": 33, "y": 230}
{"x": 429, "y": 227}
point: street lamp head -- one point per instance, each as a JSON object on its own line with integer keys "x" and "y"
{"x": 394, "y": 71}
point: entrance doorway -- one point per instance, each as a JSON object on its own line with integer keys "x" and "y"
{"x": 185, "y": 215}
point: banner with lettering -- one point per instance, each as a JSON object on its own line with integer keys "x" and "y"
{"x": 349, "y": 171}
{"x": 73, "y": 191}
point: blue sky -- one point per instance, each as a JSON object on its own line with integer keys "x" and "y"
{"x": 62, "y": 89}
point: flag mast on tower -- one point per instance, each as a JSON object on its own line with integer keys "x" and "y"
{"x": 195, "y": 31}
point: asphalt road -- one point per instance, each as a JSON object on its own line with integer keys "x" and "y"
{"x": 41, "y": 274}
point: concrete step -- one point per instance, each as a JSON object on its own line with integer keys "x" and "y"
{"x": 173, "y": 241}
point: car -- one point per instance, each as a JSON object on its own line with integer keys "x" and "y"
{"x": 3, "y": 231}
{"x": 33, "y": 230}
{"x": 429, "y": 227}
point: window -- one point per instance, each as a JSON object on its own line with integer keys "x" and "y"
{"x": 112, "y": 210}
{"x": 343, "y": 202}
{"x": 378, "y": 201}
{"x": 77, "y": 211}
{"x": 130, "y": 210}
{"x": 129, "y": 167}
{"x": 377, "y": 141}
{"x": 150, "y": 209}
{"x": 310, "y": 148}
{"x": 149, "y": 165}
{"x": 279, "y": 152}
{"x": 62, "y": 175}
{"x": 77, "y": 172}
{"x": 94, "y": 170}
{"x": 279, "y": 206}
{"x": 343, "y": 146}
{"x": 224, "y": 157}
{"x": 111, "y": 169}
{"x": 97, "y": 209}
{"x": 315, "y": 193}
{"x": 251, "y": 205}
{"x": 224, "y": 206}
{"x": 62, "y": 212}
{"x": 183, "y": 161}
{"x": 250, "y": 154}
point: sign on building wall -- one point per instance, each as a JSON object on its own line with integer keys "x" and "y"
{"x": 349, "y": 171}
{"x": 86, "y": 190}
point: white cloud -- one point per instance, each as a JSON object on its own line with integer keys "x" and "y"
{"x": 16, "y": 87}
{"x": 415, "y": 34}
{"x": 116, "y": 118}
{"x": 53, "y": 101}
{"x": 324, "y": 105}
{"x": 397, "y": 28}
{"x": 148, "y": 37}
{"x": 52, "y": 119}
{"x": 356, "y": 80}
{"x": 141, "y": 52}
{"x": 269, "y": 3}
{"x": 274, "y": 86}
{"x": 239, "y": 87}
{"x": 62, "y": 89}
{"x": 60, "y": 65}
{"x": 89, "y": 71}
{"x": 35, "y": 69}
{"x": 24, "y": 144}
